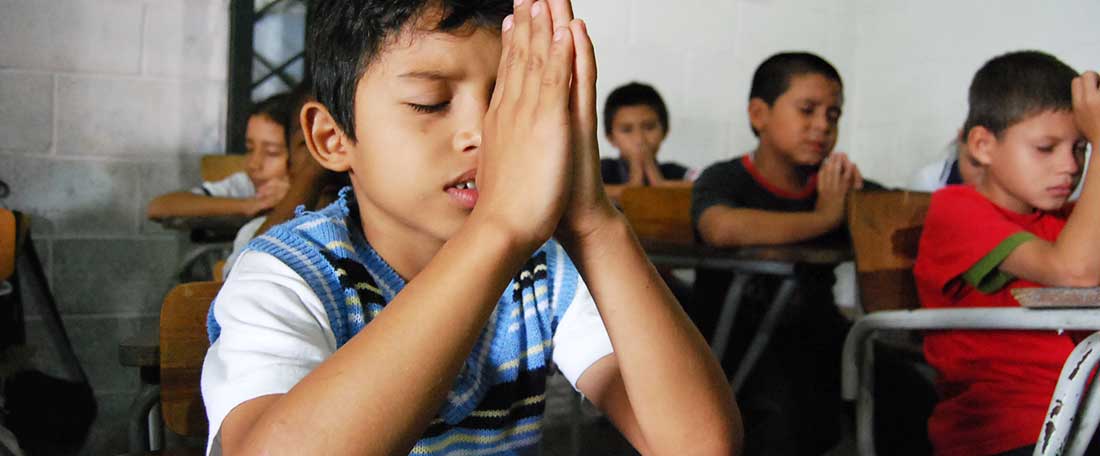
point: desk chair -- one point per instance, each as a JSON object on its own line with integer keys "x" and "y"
{"x": 662, "y": 213}
{"x": 885, "y": 229}
{"x": 183, "y": 344}
{"x": 214, "y": 245}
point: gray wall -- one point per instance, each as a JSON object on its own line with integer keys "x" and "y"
{"x": 103, "y": 105}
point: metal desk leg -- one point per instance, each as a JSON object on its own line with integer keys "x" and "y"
{"x": 764, "y": 333}
{"x": 140, "y": 429}
{"x": 730, "y": 306}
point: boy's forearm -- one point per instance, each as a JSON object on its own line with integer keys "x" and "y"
{"x": 732, "y": 227}
{"x": 187, "y": 204}
{"x": 392, "y": 377}
{"x": 679, "y": 394}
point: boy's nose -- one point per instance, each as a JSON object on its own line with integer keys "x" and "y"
{"x": 467, "y": 141}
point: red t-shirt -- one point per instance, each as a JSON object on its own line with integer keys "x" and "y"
{"x": 994, "y": 386}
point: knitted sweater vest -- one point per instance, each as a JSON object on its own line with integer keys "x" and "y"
{"x": 498, "y": 398}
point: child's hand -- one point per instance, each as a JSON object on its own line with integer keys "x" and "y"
{"x": 588, "y": 203}
{"x": 1086, "y": 105}
{"x": 834, "y": 179}
{"x": 269, "y": 194}
{"x": 525, "y": 161}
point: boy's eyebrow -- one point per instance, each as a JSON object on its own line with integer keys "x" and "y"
{"x": 426, "y": 74}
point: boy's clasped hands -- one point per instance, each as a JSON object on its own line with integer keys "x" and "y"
{"x": 538, "y": 172}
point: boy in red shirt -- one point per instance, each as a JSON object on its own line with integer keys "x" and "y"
{"x": 1029, "y": 131}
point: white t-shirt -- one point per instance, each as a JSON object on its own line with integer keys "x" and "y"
{"x": 237, "y": 185}
{"x": 244, "y": 235}
{"x": 275, "y": 332}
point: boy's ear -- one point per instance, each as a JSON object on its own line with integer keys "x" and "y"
{"x": 758, "y": 113}
{"x": 325, "y": 139}
{"x": 980, "y": 143}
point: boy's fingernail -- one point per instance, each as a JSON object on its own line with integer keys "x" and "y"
{"x": 559, "y": 33}
{"x": 508, "y": 22}
{"x": 519, "y": 2}
{"x": 536, "y": 9}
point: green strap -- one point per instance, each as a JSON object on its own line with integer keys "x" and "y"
{"x": 985, "y": 275}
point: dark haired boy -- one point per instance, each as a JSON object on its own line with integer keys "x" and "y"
{"x": 246, "y": 193}
{"x": 790, "y": 188}
{"x": 636, "y": 123}
{"x": 1030, "y": 120}
{"x": 420, "y": 311}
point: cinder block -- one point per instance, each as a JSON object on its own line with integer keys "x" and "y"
{"x": 139, "y": 118}
{"x": 187, "y": 39}
{"x": 608, "y": 21}
{"x": 113, "y": 275}
{"x": 102, "y": 36}
{"x": 26, "y": 110}
{"x": 73, "y": 197}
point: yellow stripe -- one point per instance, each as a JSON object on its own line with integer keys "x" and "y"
{"x": 531, "y": 352}
{"x": 341, "y": 273}
{"x": 505, "y": 412}
{"x": 352, "y": 300}
{"x": 466, "y": 438}
{"x": 366, "y": 286}
{"x": 341, "y": 244}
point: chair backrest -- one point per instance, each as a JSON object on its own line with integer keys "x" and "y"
{"x": 183, "y": 345}
{"x": 218, "y": 167}
{"x": 662, "y": 213}
{"x": 886, "y": 228}
{"x": 8, "y": 236}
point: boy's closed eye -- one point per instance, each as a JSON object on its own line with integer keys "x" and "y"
{"x": 430, "y": 108}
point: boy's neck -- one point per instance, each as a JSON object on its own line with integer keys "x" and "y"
{"x": 407, "y": 252}
{"x": 778, "y": 171}
{"x": 1001, "y": 197}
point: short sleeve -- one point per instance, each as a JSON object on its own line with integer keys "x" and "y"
{"x": 274, "y": 332}
{"x": 237, "y": 185}
{"x": 581, "y": 338}
{"x": 714, "y": 187}
{"x": 966, "y": 237}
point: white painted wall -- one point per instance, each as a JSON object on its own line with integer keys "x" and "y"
{"x": 906, "y": 64}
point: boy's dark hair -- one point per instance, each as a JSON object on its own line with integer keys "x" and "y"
{"x": 634, "y": 94}
{"x": 773, "y": 77}
{"x": 276, "y": 107}
{"x": 1014, "y": 86}
{"x": 346, "y": 36}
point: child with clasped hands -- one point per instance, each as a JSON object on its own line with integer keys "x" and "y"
{"x": 419, "y": 312}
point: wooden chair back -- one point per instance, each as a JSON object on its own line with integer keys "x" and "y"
{"x": 885, "y": 227}
{"x": 183, "y": 345}
{"x": 218, "y": 167}
{"x": 661, "y": 213}
{"x": 8, "y": 237}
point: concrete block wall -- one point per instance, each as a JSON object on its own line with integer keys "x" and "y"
{"x": 103, "y": 105}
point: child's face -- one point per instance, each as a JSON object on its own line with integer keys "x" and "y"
{"x": 418, "y": 117}
{"x": 1034, "y": 164}
{"x": 266, "y": 155}
{"x": 802, "y": 123}
{"x": 636, "y": 131}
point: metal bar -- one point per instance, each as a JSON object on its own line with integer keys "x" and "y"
{"x": 730, "y": 306}
{"x": 267, "y": 8}
{"x": 1062, "y": 412}
{"x": 865, "y": 403}
{"x": 1086, "y": 422}
{"x": 764, "y": 333}
{"x": 138, "y": 429}
{"x": 239, "y": 79}
{"x": 1010, "y": 318}
{"x": 277, "y": 70}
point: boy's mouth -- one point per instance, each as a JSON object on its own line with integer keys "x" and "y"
{"x": 463, "y": 190}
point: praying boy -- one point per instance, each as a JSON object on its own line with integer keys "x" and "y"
{"x": 419, "y": 313}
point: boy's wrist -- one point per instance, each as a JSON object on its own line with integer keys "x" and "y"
{"x": 600, "y": 227}
{"x": 512, "y": 241}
